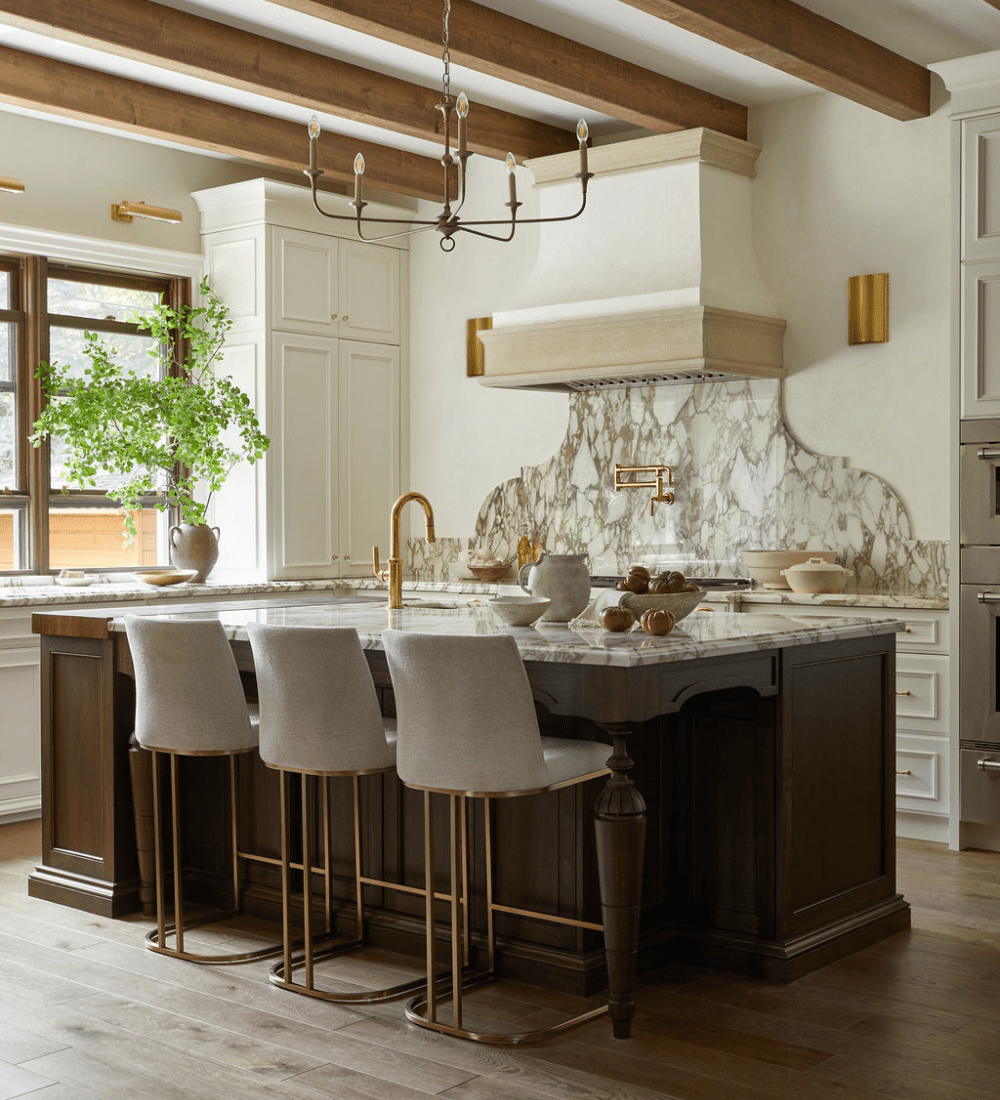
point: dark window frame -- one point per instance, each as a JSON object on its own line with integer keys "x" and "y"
{"x": 34, "y": 497}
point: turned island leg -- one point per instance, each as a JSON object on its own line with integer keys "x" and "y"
{"x": 620, "y": 824}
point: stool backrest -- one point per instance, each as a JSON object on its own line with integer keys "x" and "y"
{"x": 466, "y": 716}
{"x": 318, "y": 707}
{"x": 188, "y": 693}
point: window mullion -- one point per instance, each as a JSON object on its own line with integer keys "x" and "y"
{"x": 37, "y": 458}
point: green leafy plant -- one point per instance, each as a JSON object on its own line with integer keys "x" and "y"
{"x": 162, "y": 435}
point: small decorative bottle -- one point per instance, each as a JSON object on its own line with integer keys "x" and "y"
{"x": 524, "y": 549}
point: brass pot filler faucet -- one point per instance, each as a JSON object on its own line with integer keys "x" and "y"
{"x": 660, "y": 495}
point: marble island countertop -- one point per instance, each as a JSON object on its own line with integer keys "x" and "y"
{"x": 34, "y": 592}
{"x": 701, "y": 634}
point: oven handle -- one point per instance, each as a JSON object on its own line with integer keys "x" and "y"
{"x": 986, "y": 764}
{"x": 988, "y": 452}
{"x": 988, "y": 597}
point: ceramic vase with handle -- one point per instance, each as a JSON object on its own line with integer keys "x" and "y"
{"x": 564, "y": 578}
{"x": 195, "y": 547}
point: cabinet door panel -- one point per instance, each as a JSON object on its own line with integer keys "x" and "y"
{"x": 981, "y": 188}
{"x": 304, "y": 282}
{"x": 20, "y": 738}
{"x": 981, "y": 339}
{"x": 369, "y": 292}
{"x": 369, "y": 451}
{"x": 303, "y": 457}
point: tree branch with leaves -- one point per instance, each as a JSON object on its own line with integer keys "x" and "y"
{"x": 162, "y": 434}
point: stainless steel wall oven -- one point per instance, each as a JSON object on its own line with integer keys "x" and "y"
{"x": 979, "y": 620}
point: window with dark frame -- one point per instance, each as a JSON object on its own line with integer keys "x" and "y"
{"x": 45, "y": 309}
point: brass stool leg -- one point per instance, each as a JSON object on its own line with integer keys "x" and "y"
{"x": 307, "y": 882}
{"x": 161, "y": 915}
{"x": 176, "y": 832}
{"x": 429, "y": 905}
{"x": 286, "y": 878}
{"x": 456, "y": 920}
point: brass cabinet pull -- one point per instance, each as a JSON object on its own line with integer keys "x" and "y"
{"x": 334, "y": 557}
{"x": 904, "y": 692}
{"x": 907, "y": 630}
{"x": 345, "y": 319}
{"x": 907, "y": 772}
{"x": 333, "y": 316}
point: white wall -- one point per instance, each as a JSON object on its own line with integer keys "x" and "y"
{"x": 841, "y": 191}
{"x": 465, "y": 438}
{"x": 73, "y": 175}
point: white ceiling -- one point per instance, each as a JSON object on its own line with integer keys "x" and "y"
{"x": 922, "y": 30}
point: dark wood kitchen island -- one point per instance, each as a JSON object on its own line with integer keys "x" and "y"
{"x": 760, "y": 749}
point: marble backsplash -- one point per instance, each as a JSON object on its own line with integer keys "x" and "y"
{"x": 741, "y": 480}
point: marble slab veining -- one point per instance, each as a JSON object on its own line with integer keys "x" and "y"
{"x": 701, "y": 634}
{"x": 742, "y": 480}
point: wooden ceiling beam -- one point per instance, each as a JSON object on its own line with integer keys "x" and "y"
{"x": 56, "y": 87}
{"x": 801, "y": 43}
{"x": 491, "y": 42}
{"x": 176, "y": 40}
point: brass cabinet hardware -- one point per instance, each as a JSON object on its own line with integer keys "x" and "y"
{"x": 907, "y": 630}
{"x": 333, "y": 316}
{"x": 345, "y": 319}
{"x": 907, "y": 772}
{"x": 904, "y": 692}
{"x": 334, "y": 557}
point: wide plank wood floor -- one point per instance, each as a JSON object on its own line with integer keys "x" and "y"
{"x": 87, "y": 1012}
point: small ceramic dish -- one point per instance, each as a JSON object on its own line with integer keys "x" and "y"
{"x": 519, "y": 610}
{"x": 172, "y": 576}
{"x": 495, "y": 571}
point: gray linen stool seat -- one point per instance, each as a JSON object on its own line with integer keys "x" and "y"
{"x": 320, "y": 716}
{"x": 189, "y": 702}
{"x": 468, "y": 729}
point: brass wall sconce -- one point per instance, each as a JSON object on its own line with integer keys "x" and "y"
{"x": 868, "y": 309}
{"x": 8, "y": 183}
{"x": 475, "y": 353}
{"x": 127, "y": 211}
{"x": 657, "y": 473}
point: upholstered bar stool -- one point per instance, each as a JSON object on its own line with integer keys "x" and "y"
{"x": 468, "y": 729}
{"x": 319, "y": 716}
{"x": 189, "y": 702}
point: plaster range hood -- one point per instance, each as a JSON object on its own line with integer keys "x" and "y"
{"x": 657, "y": 282}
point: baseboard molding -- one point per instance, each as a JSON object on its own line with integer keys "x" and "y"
{"x": 933, "y": 827}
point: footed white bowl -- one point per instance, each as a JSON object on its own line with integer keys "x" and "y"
{"x": 519, "y": 610}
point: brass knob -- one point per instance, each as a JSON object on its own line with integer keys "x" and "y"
{"x": 907, "y": 772}
{"x": 345, "y": 319}
{"x": 333, "y": 316}
{"x": 347, "y": 557}
{"x": 904, "y": 692}
{"x": 334, "y": 557}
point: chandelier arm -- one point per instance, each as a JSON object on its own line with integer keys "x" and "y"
{"x": 529, "y": 221}
{"x": 464, "y": 228}
{"x": 367, "y": 220}
{"x": 422, "y": 227}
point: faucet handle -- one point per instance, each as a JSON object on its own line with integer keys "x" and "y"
{"x": 380, "y": 573}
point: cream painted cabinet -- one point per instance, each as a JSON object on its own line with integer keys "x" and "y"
{"x": 318, "y": 341}
{"x": 334, "y": 458}
{"x": 980, "y": 281}
{"x": 330, "y": 287}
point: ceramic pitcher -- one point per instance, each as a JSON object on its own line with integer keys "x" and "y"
{"x": 564, "y": 578}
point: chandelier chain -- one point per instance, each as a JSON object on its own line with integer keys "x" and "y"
{"x": 446, "y": 56}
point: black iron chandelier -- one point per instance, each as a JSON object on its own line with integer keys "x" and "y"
{"x": 447, "y": 223}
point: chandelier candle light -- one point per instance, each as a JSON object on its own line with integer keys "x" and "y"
{"x": 447, "y": 222}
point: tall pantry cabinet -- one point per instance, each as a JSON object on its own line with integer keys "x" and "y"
{"x": 318, "y": 342}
